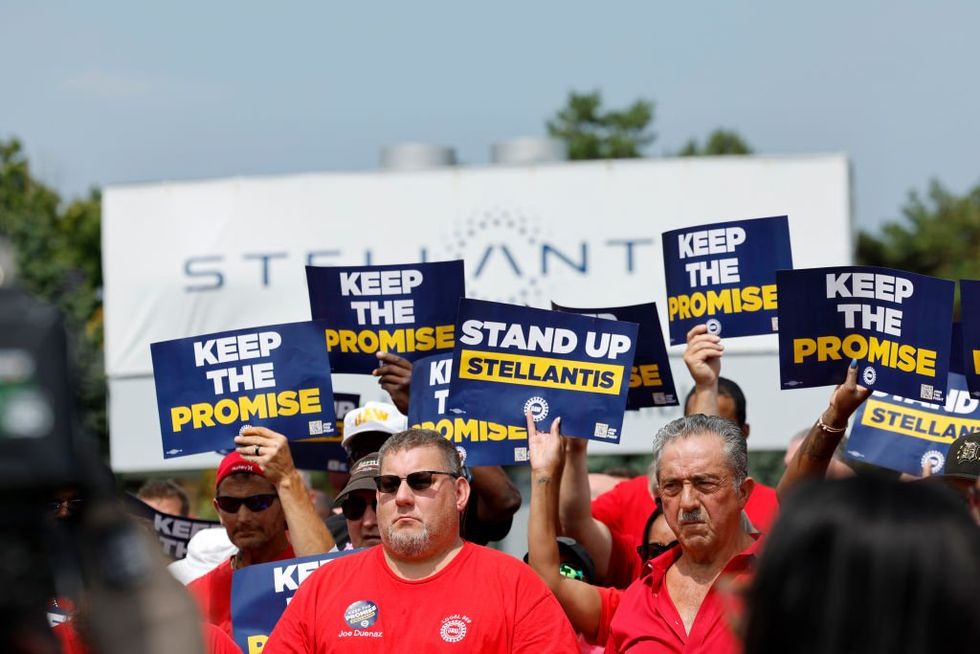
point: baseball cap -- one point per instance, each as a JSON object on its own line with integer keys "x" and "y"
{"x": 373, "y": 417}
{"x": 232, "y": 463}
{"x": 361, "y": 476}
{"x": 963, "y": 458}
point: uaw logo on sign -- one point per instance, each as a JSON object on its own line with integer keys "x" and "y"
{"x": 510, "y": 360}
{"x": 724, "y": 275}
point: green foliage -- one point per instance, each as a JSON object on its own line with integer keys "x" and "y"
{"x": 592, "y": 133}
{"x": 720, "y": 141}
{"x": 939, "y": 235}
{"x": 58, "y": 253}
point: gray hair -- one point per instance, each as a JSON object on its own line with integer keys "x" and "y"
{"x": 695, "y": 424}
{"x": 413, "y": 438}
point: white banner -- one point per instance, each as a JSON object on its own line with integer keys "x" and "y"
{"x": 197, "y": 257}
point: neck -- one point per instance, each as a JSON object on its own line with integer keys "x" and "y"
{"x": 708, "y": 563}
{"x": 262, "y": 554}
{"x": 421, "y": 568}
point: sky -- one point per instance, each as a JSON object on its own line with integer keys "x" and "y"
{"x": 113, "y": 92}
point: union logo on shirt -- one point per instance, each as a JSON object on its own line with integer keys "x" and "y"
{"x": 454, "y": 628}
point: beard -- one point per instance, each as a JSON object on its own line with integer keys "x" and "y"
{"x": 407, "y": 545}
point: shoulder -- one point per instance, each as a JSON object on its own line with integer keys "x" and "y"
{"x": 218, "y": 575}
{"x": 357, "y": 561}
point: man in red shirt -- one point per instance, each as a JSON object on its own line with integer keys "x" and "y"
{"x": 701, "y": 467}
{"x": 424, "y": 589}
{"x": 259, "y": 495}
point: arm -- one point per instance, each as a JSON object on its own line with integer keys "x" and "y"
{"x": 580, "y": 601}
{"x": 497, "y": 500}
{"x": 575, "y": 507}
{"x": 307, "y": 532}
{"x": 703, "y": 359}
{"x": 814, "y": 454}
{"x": 395, "y": 376}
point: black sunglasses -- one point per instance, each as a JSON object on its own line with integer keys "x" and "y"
{"x": 354, "y": 506}
{"x": 254, "y": 503}
{"x": 649, "y": 551}
{"x": 417, "y": 481}
{"x": 73, "y": 505}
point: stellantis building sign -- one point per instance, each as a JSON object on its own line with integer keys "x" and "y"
{"x": 206, "y": 256}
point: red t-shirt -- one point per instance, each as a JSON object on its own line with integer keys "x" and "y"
{"x": 627, "y": 506}
{"x": 216, "y": 641}
{"x": 647, "y": 620}
{"x": 213, "y": 592}
{"x": 482, "y": 601}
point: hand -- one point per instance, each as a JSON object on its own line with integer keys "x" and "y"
{"x": 703, "y": 356}
{"x": 273, "y": 454}
{"x": 846, "y": 399}
{"x": 547, "y": 453}
{"x": 395, "y": 376}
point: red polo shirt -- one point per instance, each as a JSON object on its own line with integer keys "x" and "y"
{"x": 647, "y": 620}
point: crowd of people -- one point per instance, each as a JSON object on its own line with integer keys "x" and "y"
{"x": 693, "y": 556}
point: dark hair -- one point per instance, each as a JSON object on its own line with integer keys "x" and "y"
{"x": 728, "y": 388}
{"x": 162, "y": 489}
{"x": 413, "y": 438}
{"x": 867, "y": 565}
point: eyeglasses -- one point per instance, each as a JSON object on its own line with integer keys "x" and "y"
{"x": 254, "y": 503}
{"x": 354, "y": 506}
{"x": 72, "y": 505}
{"x": 417, "y": 481}
{"x": 649, "y": 551}
{"x": 566, "y": 570}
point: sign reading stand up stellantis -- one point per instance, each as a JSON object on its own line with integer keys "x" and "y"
{"x": 208, "y": 387}
{"x": 898, "y": 325}
{"x": 510, "y": 360}
{"x": 407, "y": 309}
{"x": 651, "y": 382}
{"x": 905, "y": 435}
{"x": 479, "y": 442}
{"x": 724, "y": 274}
{"x": 970, "y": 305}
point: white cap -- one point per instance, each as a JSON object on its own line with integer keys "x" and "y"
{"x": 373, "y": 417}
{"x": 205, "y": 550}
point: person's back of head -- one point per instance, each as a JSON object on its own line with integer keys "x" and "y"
{"x": 166, "y": 496}
{"x": 867, "y": 565}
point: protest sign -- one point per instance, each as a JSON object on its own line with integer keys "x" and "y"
{"x": 326, "y": 452}
{"x": 510, "y": 359}
{"x": 896, "y": 324}
{"x": 970, "y": 310}
{"x": 260, "y": 593}
{"x": 173, "y": 531}
{"x": 651, "y": 381}
{"x": 407, "y": 309}
{"x": 209, "y": 387}
{"x": 479, "y": 442}
{"x": 902, "y": 434}
{"x": 724, "y": 275}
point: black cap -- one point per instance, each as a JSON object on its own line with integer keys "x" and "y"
{"x": 963, "y": 458}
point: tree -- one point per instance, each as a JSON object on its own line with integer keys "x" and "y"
{"x": 59, "y": 259}
{"x": 721, "y": 141}
{"x": 939, "y": 235}
{"x": 591, "y": 133}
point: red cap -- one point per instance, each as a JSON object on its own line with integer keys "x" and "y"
{"x": 232, "y": 463}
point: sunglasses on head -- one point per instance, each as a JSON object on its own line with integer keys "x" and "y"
{"x": 417, "y": 481}
{"x": 565, "y": 570}
{"x": 354, "y": 506}
{"x": 254, "y": 503}
{"x": 650, "y": 551}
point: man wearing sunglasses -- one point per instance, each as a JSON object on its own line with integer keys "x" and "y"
{"x": 263, "y": 504}
{"x": 424, "y": 589}
{"x": 359, "y": 503}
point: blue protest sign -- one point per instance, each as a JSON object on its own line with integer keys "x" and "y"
{"x": 407, "y": 309}
{"x": 651, "y": 381}
{"x": 173, "y": 531}
{"x": 970, "y": 310}
{"x": 724, "y": 274}
{"x": 900, "y": 434}
{"x": 896, "y": 324}
{"x": 479, "y": 442}
{"x": 512, "y": 359}
{"x": 326, "y": 452}
{"x": 260, "y": 593}
{"x": 210, "y": 386}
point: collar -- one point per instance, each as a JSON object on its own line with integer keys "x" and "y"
{"x": 656, "y": 569}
